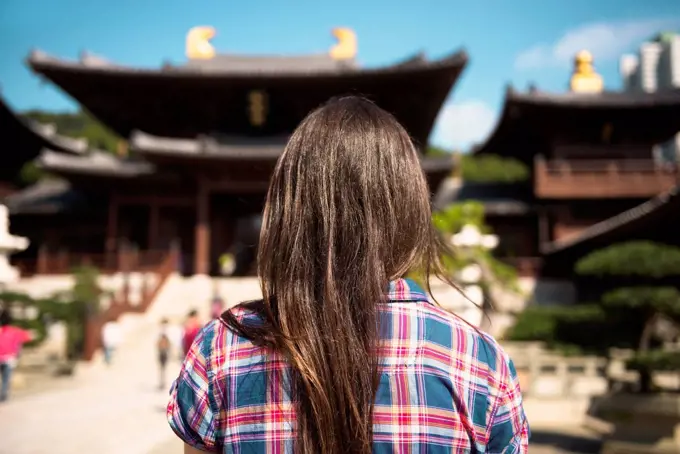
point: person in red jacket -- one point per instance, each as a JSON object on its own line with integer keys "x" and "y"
{"x": 12, "y": 338}
{"x": 192, "y": 327}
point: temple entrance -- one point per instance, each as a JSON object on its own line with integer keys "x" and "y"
{"x": 234, "y": 230}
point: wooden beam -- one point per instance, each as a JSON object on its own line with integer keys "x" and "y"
{"x": 241, "y": 187}
{"x": 158, "y": 200}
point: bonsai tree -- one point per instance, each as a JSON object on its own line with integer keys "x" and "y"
{"x": 648, "y": 295}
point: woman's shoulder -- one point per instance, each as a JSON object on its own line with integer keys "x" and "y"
{"x": 219, "y": 332}
{"x": 466, "y": 342}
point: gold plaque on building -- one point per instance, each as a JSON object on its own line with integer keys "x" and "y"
{"x": 257, "y": 107}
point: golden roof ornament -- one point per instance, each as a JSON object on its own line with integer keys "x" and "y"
{"x": 346, "y": 47}
{"x": 198, "y": 45}
{"x": 585, "y": 79}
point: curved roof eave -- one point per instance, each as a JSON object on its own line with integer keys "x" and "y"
{"x": 94, "y": 163}
{"x": 40, "y": 61}
{"x": 206, "y": 147}
{"x": 569, "y": 100}
{"x": 42, "y": 135}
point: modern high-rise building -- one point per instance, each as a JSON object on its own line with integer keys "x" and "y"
{"x": 656, "y": 67}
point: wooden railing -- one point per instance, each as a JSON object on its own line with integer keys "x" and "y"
{"x": 152, "y": 274}
{"x": 587, "y": 178}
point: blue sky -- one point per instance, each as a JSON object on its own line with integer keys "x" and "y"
{"x": 516, "y": 42}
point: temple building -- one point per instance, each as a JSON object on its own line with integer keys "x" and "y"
{"x": 24, "y": 140}
{"x": 201, "y": 140}
{"x": 591, "y": 155}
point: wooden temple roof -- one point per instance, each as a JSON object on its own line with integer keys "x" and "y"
{"x": 532, "y": 122}
{"x": 24, "y": 138}
{"x": 657, "y": 219}
{"x": 48, "y": 196}
{"x": 268, "y": 64}
{"x": 216, "y": 96}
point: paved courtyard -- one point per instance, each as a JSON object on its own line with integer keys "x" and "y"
{"x": 107, "y": 410}
{"x": 120, "y": 410}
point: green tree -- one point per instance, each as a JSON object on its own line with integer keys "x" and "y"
{"x": 492, "y": 169}
{"x": 72, "y": 307}
{"x": 450, "y": 221}
{"x": 484, "y": 168}
{"x": 494, "y": 273}
{"x": 624, "y": 316}
{"x": 643, "y": 266}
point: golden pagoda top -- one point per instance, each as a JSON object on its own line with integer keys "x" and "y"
{"x": 584, "y": 78}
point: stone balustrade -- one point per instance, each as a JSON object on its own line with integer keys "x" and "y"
{"x": 547, "y": 375}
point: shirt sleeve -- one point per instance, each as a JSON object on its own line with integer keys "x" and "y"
{"x": 191, "y": 411}
{"x": 509, "y": 428}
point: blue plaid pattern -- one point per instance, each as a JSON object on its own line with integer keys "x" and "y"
{"x": 445, "y": 387}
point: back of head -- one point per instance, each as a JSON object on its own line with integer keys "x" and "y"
{"x": 347, "y": 211}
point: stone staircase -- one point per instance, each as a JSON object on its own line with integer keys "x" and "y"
{"x": 180, "y": 295}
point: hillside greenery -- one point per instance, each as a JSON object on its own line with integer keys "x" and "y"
{"x": 485, "y": 168}
{"x": 78, "y": 124}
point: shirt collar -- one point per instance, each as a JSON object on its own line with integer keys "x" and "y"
{"x": 405, "y": 291}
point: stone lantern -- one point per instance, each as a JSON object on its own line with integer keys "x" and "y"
{"x": 470, "y": 277}
{"x": 9, "y": 244}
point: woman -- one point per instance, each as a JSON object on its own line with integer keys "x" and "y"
{"x": 12, "y": 339}
{"x": 192, "y": 326}
{"x": 343, "y": 355}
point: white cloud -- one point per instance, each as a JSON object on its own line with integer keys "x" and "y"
{"x": 605, "y": 40}
{"x": 460, "y": 125}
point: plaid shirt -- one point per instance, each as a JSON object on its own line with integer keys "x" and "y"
{"x": 444, "y": 387}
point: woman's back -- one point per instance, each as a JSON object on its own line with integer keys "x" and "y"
{"x": 326, "y": 362}
{"x": 444, "y": 387}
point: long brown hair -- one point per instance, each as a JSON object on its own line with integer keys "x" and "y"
{"x": 348, "y": 210}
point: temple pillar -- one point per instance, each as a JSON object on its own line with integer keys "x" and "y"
{"x": 543, "y": 228}
{"x": 202, "y": 244}
{"x": 111, "y": 245}
{"x": 154, "y": 223}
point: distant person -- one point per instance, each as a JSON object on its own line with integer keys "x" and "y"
{"x": 192, "y": 326}
{"x": 216, "y": 307}
{"x": 164, "y": 347}
{"x": 12, "y": 339}
{"x": 111, "y": 339}
{"x": 343, "y": 355}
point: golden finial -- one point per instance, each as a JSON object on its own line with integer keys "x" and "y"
{"x": 585, "y": 79}
{"x": 346, "y": 48}
{"x": 198, "y": 43}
